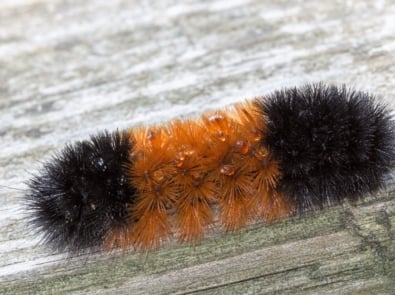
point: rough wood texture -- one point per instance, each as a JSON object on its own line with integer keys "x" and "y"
{"x": 69, "y": 68}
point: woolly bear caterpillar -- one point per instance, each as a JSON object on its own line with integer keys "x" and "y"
{"x": 295, "y": 150}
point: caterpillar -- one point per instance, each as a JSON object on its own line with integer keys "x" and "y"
{"x": 268, "y": 158}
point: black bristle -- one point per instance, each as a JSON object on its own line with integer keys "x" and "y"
{"x": 83, "y": 192}
{"x": 332, "y": 143}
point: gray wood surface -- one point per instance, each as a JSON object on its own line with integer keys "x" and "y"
{"x": 69, "y": 68}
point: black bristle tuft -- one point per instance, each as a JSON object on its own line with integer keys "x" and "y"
{"x": 332, "y": 143}
{"x": 83, "y": 193}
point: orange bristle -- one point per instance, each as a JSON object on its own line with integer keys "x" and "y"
{"x": 194, "y": 212}
{"x": 152, "y": 175}
{"x": 152, "y": 228}
{"x": 194, "y": 166}
{"x": 241, "y": 159}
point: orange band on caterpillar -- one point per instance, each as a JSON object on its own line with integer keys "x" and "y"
{"x": 265, "y": 159}
{"x": 185, "y": 170}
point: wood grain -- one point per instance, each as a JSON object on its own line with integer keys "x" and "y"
{"x": 69, "y": 68}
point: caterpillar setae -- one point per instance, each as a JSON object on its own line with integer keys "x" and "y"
{"x": 295, "y": 150}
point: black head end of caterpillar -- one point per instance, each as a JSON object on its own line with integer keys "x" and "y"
{"x": 82, "y": 193}
{"x": 333, "y": 143}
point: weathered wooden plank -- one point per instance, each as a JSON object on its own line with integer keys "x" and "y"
{"x": 346, "y": 248}
{"x": 69, "y": 68}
